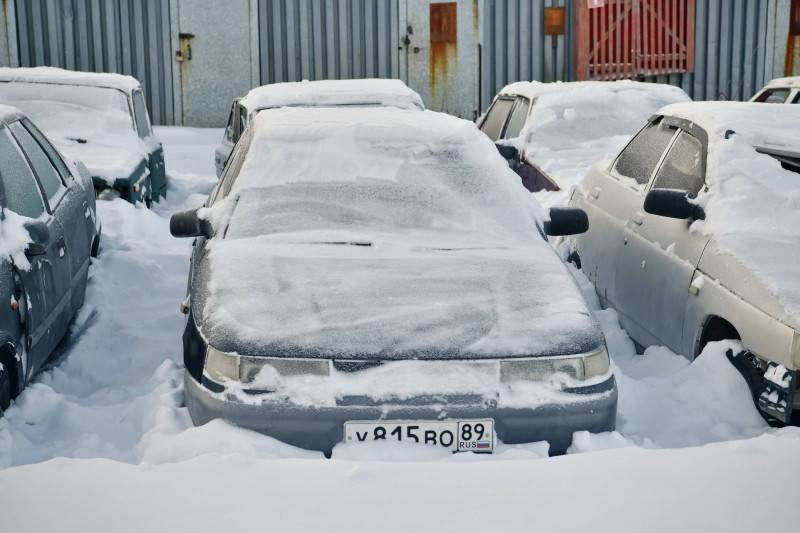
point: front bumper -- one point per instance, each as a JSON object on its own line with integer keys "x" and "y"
{"x": 321, "y": 428}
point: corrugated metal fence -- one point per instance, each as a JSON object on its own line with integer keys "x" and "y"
{"x": 732, "y": 58}
{"x": 316, "y": 39}
{"x": 126, "y": 36}
{"x": 514, "y": 46}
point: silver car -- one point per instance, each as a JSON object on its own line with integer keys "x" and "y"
{"x": 779, "y": 91}
{"x": 379, "y": 274}
{"x": 680, "y": 246}
{"x": 360, "y": 92}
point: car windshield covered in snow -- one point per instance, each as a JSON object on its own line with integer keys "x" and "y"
{"x": 450, "y": 260}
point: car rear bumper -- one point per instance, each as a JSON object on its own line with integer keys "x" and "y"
{"x": 321, "y": 428}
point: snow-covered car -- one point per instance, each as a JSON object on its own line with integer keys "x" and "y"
{"x": 694, "y": 237}
{"x": 321, "y": 93}
{"x": 48, "y": 230}
{"x": 363, "y": 274}
{"x": 779, "y": 91}
{"x": 552, "y": 133}
{"x": 96, "y": 118}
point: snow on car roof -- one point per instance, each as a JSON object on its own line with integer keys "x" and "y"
{"x": 575, "y": 125}
{"x": 753, "y": 203}
{"x": 793, "y": 81}
{"x": 384, "y": 232}
{"x": 383, "y": 92}
{"x": 69, "y": 77}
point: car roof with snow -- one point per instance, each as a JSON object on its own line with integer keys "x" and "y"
{"x": 383, "y": 231}
{"x": 377, "y": 92}
{"x": 792, "y": 81}
{"x": 123, "y": 83}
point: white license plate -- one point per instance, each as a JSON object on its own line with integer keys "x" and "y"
{"x": 453, "y": 435}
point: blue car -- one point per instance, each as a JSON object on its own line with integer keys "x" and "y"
{"x": 49, "y": 229}
{"x": 100, "y": 119}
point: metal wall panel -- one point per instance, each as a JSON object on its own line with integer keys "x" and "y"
{"x": 319, "y": 39}
{"x": 125, "y": 36}
{"x": 514, "y": 46}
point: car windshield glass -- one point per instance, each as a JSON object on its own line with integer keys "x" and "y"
{"x": 496, "y": 118}
{"x": 517, "y": 119}
{"x": 638, "y": 160}
{"x": 20, "y": 192}
{"x": 773, "y": 96}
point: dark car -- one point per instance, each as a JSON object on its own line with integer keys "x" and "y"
{"x": 100, "y": 119}
{"x": 365, "y": 274}
{"x": 49, "y": 231}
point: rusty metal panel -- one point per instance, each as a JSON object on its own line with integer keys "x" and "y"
{"x": 443, "y": 22}
{"x": 555, "y": 20}
{"x": 320, "y": 39}
{"x": 125, "y": 36}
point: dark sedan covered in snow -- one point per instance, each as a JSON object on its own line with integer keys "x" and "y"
{"x": 48, "y": 231}
{"x": 381, "y": 274}
{"x": 99, "y": 119}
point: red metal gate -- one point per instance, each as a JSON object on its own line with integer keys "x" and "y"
{"x": 618, "y": 39}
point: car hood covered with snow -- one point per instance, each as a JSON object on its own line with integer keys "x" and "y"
{"x": 753, "y": 203}
{"x": 90, "y": 124}
{"x": 382, "y": 233}
{"x": 574, "y": 125}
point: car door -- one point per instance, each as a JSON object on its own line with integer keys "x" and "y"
{"x": 66, "y": 199}
{"x": 661, "y": 254}
{"x": 610, "y": 197}
{"x": 47, "y": 281}
{"x": 155, "y": 150}
{"x": 223, "y": 151}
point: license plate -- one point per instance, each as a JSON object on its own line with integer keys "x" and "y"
{"x": 453, "y": 435}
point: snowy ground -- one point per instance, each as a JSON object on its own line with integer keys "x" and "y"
{"x": 100, "y": 440}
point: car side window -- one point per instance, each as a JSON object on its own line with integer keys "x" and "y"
{"x": 20, "y": 190}
{"x": 140, "y": 115}
{"x": 773, "y": 96}
{"x": 496, "y": 118}
{"x": 638, "y": 160}
{"x": 796, "y": 98}
{"x": 242, "y": 121}
{"x": 682, "y": 167}
{"x": 229, "y": 127}
{"x": 517, "y": 119}
{"x": 52, "y": 153}
{"x": 40, "y": 162}
{"x": 231, "y": 171}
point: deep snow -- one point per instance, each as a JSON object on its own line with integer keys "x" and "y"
{"x": 100, "y": 440}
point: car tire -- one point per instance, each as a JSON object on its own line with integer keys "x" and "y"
{"x": 5, "y": 388}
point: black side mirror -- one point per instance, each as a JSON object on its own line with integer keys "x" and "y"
{"x": 673, "y": 203}
{"x": 188, "y": 224}
{"x": 566, "y": 221}
{"x": 40, "y": 236}
{"x": 509, "y": 152}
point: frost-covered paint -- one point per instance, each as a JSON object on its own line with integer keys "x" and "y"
{"x": 41, "y": 291}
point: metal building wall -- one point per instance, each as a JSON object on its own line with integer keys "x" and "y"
{"x": 733, "y": 56}
{"x": 515, "y": 48}
{"x": 318, "y": 39}
{"x": 125, "y": 36}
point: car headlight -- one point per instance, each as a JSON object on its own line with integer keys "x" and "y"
{"x": 581, "y": 367}
{"x": 222, "y": 366}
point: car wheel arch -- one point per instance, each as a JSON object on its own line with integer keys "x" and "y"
{"x": 715, "y": 328}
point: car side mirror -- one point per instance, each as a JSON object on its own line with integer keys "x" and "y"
{"x": 508, "y": 151}
{"x": 189, "y": 224}
{"x": 673, "y": 203}
{"x": 566, "y": 221}
{"x": 40, "y": 236}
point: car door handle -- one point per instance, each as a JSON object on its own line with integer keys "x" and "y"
{"x": 596, "y": 192}
{"x": 638, "y": 219}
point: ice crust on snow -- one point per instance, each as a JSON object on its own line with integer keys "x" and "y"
{"x": 88, "y": 122}
{"x": 574, "y": 125}
{"x": 439, "y": 250}
{"x": 753, "y": 204}
{"x": 321, "y": 93}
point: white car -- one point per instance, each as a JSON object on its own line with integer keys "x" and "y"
{"x": 780, "y": 91}
{"x": 552, "y": 133}
{"x": 694, "y": 236}
{"x": 322, "y": 93}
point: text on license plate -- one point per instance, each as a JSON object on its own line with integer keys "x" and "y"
{"x": 454, "y": 435}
